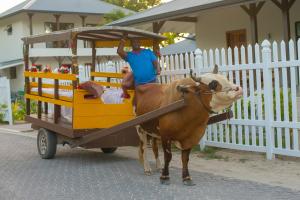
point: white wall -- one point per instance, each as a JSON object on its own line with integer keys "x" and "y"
{"x": 18, "y": 83}
{"x": 11, "y": 45}
{"x": 39, "y": 20}
{"x": 212, "y": 25}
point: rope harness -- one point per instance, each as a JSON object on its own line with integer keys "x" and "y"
{"x": 199, "y": 94}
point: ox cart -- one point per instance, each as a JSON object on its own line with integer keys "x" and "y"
{"x": 93, "y": 123}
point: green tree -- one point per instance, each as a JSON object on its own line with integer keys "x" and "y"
{"x": 134, "y": 5}
{"x": 137, "y": 6}
{"x": 114, "y": 15}
{"x": 171, "y": 37}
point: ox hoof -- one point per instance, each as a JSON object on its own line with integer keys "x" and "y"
{"x": 148, "y": 173}
{"x": 165, "y": 180}
{"x": 188, "y": 182}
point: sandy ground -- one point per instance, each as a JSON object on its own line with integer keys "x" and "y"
{"x": 284, "y": 172}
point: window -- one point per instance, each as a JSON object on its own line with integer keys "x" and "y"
{"x": 50, "y": 27}
{"x": 9, "y": 29}
{"x": 297, "y": 31}
{"x": 66, "y": 26}
{"x": 13, "y": 73}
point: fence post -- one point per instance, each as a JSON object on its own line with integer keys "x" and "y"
{"x": 268, "y": 93}
{"x": 198, "y": 61}
{"x": 198, "y": 66}
{"x": 10, "y": 117}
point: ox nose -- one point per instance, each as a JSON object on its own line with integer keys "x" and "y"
{"x": 237, "y": 89}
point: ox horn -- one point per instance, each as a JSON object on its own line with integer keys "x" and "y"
{"x": 182, "y": 88}
{"x": 193, "y": 76}
{"x": 216, "y": 69}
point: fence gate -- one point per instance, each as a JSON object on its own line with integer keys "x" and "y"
{"x": 5, "y": 100}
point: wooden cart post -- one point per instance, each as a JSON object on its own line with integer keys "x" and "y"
{"x": 46, "y": 108}
{"x": 156, "y": 50}
{"x": 156, "y": 47}
{"x": 94, "y": 51}
{"x": 74, "y": 58}
{"x": 27, "y": 79}
{"x": 74, "y": 61}
{"x": 57, "y": 108}
{"x": 39, "y": 111}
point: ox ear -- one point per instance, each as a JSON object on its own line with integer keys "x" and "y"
{"x": 215, "y": 86}
{"x": 216, "y": 69}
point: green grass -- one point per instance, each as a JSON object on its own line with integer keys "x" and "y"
{"x": 243, "y": 160}
{"x": 209, "y": 153}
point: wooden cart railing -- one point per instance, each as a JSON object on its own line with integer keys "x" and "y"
{"x": 48, "y": 98}
{"x": 55, "y": 98}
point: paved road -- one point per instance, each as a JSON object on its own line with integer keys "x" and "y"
{"x": 81, "y": 174}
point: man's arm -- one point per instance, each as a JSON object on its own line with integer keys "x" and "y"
{"x": 120, "y": 50}
{"x": 155, "y": 62}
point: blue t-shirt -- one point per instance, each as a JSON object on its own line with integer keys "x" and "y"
{"x": 142, "y": 66}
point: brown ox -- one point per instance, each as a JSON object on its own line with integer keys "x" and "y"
{"x": 211, "y": 92}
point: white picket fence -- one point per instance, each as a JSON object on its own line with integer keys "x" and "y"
{"x": 5, "y": 99}
{"x": 267, "y": 76}
{"x": 257, "y": 126}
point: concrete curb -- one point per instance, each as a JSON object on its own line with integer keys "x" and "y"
{"x": 16, "y": 132}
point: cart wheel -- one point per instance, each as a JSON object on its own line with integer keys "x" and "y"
{"x": 46, "y": 143}
{"x": 109, "y": 150}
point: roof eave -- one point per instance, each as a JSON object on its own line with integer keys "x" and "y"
{"x": 11, "y": 14}
{"x": 50, "y": 12}
{"x": 178, "y": 13}
{"x": 67, "y": 34}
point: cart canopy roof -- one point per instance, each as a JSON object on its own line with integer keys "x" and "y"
{"x": 105, "y": 36}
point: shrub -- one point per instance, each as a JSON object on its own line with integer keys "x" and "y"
{"x": 19, "y": 109}
{"x": 3, "y": 107}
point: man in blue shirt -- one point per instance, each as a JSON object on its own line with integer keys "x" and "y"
{"x": 143, "y": 62}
